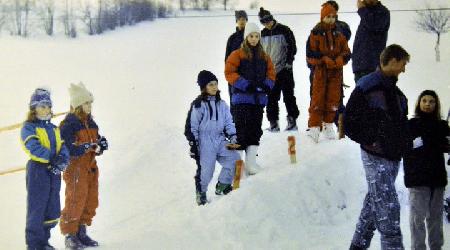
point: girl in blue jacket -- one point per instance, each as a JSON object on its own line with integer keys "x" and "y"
{"x": 212, "y": 136}
{"x": 42, "y": 141}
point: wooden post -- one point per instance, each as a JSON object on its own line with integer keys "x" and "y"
{"x": 238, "y": 173}
{"x": 341, "y": 126}
{"x": 291, "y": 149}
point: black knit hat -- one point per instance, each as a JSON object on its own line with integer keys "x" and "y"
{"x": 264, "y": 16}
{"x": 204, "y": 77}
{"x": 239, "y": 14}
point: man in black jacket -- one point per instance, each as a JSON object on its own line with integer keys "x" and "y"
{"x": 370, "y": 38}
{"x": 278, "y": 42}
{"x": 235, "y": 40}
{"x": 376, "y": 118}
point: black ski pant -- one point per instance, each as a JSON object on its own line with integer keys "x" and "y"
{"x": 284, "y": 83}
{"x": 248, "y": 121}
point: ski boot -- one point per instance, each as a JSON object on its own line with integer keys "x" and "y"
{"x": 274, "y": 126}
{"x": 84, "y": 238}
{"x": 201, "y": 198}
{"x": 73, "y": 243}
{"x": 355, "y": 247}
{"x": 223, "y": 189}
{"x": 292, "y": 124}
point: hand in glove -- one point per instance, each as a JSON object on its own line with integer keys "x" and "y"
{"x": 102, "y": 145}
{"x": 339, "y": 62}
{"x": 58, "y": 165}
{"x": 193, "y": 152}
{"x": 233, "y": 143}
{"x": 418, "y": 142}
{"x": 330, "y": 64}
{"x": 251, "y": 88}
{"x": 263, "y": 88}
{"x": 288, "y": 66}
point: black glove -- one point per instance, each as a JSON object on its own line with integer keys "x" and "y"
{"x": 251, "y": 88}
{"x": 193, "y": 152}
{"x": 263, "y": 88}
{"x": 58, "y": 165}
{"x": 102, "y": 143}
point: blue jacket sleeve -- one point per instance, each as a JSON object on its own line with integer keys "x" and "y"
{"x": 32, "y": 145}
{"x": 375, "y": 20}
{"x": 64, "y": 155}
{"x": 68, "y": 134}
{"x": 196, "y": 118}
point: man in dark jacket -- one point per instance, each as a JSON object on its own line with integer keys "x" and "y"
{"x": 279, "y": 42}
{"x": 235, "y": 40}
{"x": 370, "y": 38}
{"x": 376, "y": 118}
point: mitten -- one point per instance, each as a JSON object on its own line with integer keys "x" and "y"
{"x": 241, "y": 84}
{"x": 418, "y": 142}
{"x": 102, "y": 143}
{"x": 193, "y": 152}
{"x": 329, "y": 62}
{"x": 339, "y": 62}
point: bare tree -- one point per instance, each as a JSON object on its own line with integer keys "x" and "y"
{"x": 46, "y": 10}
{"x": 182, "y": 5}
{"x": 69, "y": 20}
{"x": 434, "y": 21}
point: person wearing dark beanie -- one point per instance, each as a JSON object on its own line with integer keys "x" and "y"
{"x": 204, "y": 77}
{"x": 279, "y": 42}
{"x": 212, "y": 137}
{"x": 235, "y": 40}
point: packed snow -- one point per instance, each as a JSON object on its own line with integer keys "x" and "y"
{"x": 143, "y": 79}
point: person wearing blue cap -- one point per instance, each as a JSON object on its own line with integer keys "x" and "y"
{"x": 41, "y": 140}
{"x": 212, "y": 137}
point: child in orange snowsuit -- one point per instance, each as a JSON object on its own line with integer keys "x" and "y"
{"x": 80, "y": 132}
{"x": 329, "y": 53}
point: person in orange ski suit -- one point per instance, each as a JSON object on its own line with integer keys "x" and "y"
{"x": 329, "y": 53}
{"x": 80, "y": 132}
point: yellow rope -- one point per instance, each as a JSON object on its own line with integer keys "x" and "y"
{"x": 18, "y": 125}
{"x": 13, "y": 170}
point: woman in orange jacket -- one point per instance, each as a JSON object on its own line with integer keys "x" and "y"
{"x": 251, "y": 74}
{"x": 329, "y": 53}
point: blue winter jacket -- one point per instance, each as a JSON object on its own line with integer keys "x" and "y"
{"x": 41, "y": 140}
{"x": 376, "y": 116}
{"x": 370, "y": 38}
{"x": 211, "y": 121}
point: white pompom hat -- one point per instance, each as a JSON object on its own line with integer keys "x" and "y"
{"x": 79, "y": 95}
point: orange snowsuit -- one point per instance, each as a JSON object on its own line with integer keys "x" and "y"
{"x": 329, "y": 53}
{"x": 81, "y": 177}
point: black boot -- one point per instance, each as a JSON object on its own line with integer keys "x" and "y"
{"x": 84, "y": 238}
{"x": 48, "y": 247}
{"x": 292, "y": 124}
{"x": 201, "y": 198}
{"x": 274, "y": 126}
{"x": 355, "y": 247}
{"x": 73, "y": 243}
{"x": 223, "y": 189}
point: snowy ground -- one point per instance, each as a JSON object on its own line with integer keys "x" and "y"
{"x": 143, "y": 79}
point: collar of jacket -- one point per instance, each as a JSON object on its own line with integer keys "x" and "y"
{"x": 387, "y": 81}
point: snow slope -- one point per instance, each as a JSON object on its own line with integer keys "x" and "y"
{"x": 143, "y": 79}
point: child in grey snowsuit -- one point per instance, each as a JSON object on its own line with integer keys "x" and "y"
{"x": 211, "y": 134}
{"x": 425, "y": 174}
